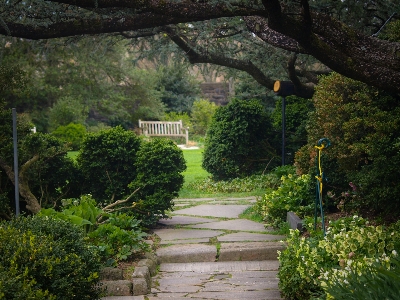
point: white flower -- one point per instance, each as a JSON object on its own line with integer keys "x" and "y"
{"x": 394, "y": 253}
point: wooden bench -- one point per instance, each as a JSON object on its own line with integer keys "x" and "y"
{"x": 164, "y": 128}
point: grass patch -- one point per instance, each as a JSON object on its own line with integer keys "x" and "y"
{"x": 194, "y": 170}
{"x": 251, "y": 213}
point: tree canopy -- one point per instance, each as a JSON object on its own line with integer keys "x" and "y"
{"x": 342, "y": 35}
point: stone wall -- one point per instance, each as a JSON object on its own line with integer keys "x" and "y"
{"x": 217, "y": 92}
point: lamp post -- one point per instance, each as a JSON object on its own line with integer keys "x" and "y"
{"x": 283, "y": 89}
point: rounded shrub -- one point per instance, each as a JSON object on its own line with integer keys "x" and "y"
{"x": 72, "y": 134}
{"x": 45, "y": 258}
{"x": 159, "y": 168}
{"x": 107, "y": 161}
{"x": 237, "y": 142}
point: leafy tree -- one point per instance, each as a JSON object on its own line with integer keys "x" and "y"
{"x": 337, "y": 33}
{"x": 93, "y": 73}
{"x": 362, "y": 124}
{"x": 179, "y": 89}
{"x": 237, "y": 142}
{"x": 67, "y": 110}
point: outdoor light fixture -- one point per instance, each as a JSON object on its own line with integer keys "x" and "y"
{"x": 283, "y": 89}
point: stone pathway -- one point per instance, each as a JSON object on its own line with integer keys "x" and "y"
{"x": 207, "y": 252}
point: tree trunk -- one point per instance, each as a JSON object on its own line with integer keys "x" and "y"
{"x": 32, "y": 204}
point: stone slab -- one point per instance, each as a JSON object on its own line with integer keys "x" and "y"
{"x": 247, "y": 236}
{"x": 118, "y": 287}
{"x": 218, "y": 211}
{"x": 186, "y": 269}
{"x": 235, "y": 295}
{"x": 188, "y": 241}
{"x": 251, "y": 251}
{"x": 187, "y": 253}
{"x": 239, "y": 224}
{"x": 184, "y": 220}
{"x": 180, "y": 234}
{"x": 124, "y": 298}
{"x": 163, "y": 296}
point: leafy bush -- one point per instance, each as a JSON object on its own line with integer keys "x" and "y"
{"x": 363, "y": 125}
{"x": 308, "y": 265}
{"x": 201, "y": 116}
{"x": 294, "y": 194}
{"x": 159, "y": 166}
{"x": 117, "y": 237}
{"x": 45, "y": 258}
{"x": 115, "y": 243}
{"x": 236, "y": 185}
{"x": 381, "y": 283}
{"x": 72, "y": 133}
{"x": 107, "y": 161}
{"x": 83, "y": 212}
{"x": 237, "y": 140}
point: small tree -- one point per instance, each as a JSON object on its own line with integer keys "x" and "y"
{"x": 237, "y": 142}
{"x": 45, "y": 173}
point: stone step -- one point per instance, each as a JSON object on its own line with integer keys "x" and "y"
{"x": 250, "y": 251}
{"x": 217, "y": 280}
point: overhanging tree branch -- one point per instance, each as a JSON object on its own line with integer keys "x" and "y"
{"x": 197, "y": 54}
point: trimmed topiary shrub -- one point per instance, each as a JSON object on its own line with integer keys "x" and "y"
{"x": 107, "y": 161}
{"x": 45, "y": 258}
{"x": 159, "y": 167}
{"x": 237, "y": 142}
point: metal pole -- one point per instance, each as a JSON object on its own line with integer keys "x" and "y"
{"x": 15, "y": 139}
{"x": 283, "y": 129}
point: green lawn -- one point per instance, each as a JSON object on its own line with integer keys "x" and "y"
{"x": 194, "y": 170}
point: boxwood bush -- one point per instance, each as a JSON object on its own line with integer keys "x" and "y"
{"x": 238, "y": 140}
{"x": 107, "y": 160}
{"x": 45, "y": 258}
{"x": 159, "y": 166}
